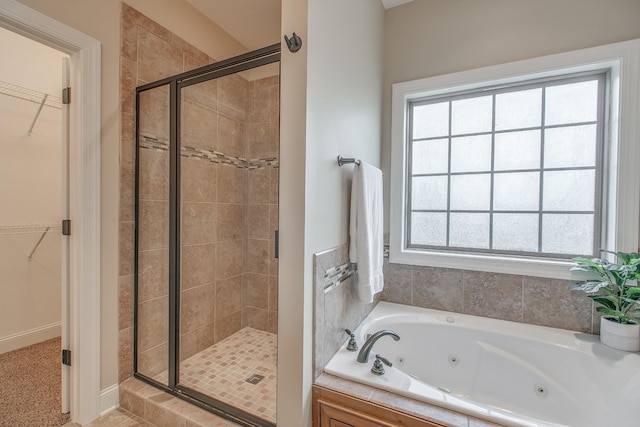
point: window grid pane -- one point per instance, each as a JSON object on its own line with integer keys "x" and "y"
{"x": 467, "y": 185}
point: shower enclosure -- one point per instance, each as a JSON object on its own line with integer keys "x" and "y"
{"x": 205, "y": 245}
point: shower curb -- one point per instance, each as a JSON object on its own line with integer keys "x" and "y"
{"x": 161, "y": 409}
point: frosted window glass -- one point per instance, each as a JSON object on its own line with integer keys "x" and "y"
{"x": 569, "y": 190}
{"x": 430, "y": 120}
{"x": 516, "y": 191}
{"x": 429, "y": 192}
{"x": 515, "y": 232}
{"x": 471, "y": 115}
{"x": 570, "y": 146}
{"x": 470, "y": 192}
{"x": 571, "y": 103}
{"x": 430, "y": 156}
{"x": 567, "y": 234}
{"x": 516, "y": 110}
{"x": 428, "y": 228}
{"x": 471, "y": 154}
{"x": 517, "y": 150}
{"x": 469, "y": 230}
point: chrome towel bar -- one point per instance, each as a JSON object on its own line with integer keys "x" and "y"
{"x": 347, "y": 160}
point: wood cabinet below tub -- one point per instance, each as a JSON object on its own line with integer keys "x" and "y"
{"x": 334, "y": 409}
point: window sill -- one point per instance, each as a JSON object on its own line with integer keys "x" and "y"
{"x": 549, "y": 268}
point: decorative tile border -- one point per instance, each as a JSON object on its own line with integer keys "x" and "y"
{"x": 151, "y": 142}
{"x": 333, "y": 276}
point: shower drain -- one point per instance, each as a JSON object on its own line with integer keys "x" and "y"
{"x": 254, "y": 379}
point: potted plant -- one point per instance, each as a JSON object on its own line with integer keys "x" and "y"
{"x": 614, "y": 288}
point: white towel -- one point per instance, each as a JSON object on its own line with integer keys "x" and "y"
{"x": 366, "y": 229}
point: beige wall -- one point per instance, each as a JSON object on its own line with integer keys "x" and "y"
{"x": 343, "y": 109}
{"x": 293, "y": 352}
{"x": 427, "y": 38}
{"x": 100, "y": 19}
{"x": 331, "y": 99}
{"x": 30, "y": 195}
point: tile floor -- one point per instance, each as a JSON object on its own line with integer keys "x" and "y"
{"x": 221, "y": 371}
{"x": 115, "y": 418}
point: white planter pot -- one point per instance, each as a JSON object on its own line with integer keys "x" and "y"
{"x": 619, "y": 336}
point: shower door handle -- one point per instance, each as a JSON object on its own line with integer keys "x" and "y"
{"x": 276, "y": 244}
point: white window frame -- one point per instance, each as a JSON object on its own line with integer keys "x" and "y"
{"x": 621, "y": 195}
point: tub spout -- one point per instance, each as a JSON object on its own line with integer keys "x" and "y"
{"x": 363, "y": 356}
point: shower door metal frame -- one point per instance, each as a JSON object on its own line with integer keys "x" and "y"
{"x": 257, "y": 58}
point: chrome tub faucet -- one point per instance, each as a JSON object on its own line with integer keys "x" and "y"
{"x": 363, "y": 356}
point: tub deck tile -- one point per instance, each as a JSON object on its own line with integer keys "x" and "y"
{"x": 400, "y": 403}
{"x": 351, "y": 388}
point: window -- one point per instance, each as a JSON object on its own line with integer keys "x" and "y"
{"x": 519, "y": 167}
{"x": 509, "y": 170}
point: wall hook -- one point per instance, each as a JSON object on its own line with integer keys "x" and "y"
{"x": 294, "y": 43}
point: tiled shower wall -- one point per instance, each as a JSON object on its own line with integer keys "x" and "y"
{"x": 260, "y": 279}
{"x": 229, "y": 199}
{"x": 147, "y": 52}
{"x": 537, "y": 301}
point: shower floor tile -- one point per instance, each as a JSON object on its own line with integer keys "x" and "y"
{"x": 221, "y": 371}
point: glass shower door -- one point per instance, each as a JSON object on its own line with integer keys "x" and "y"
{"x": 152, "y": 242}
{"x": 206, "y": 214}
{"x": 229, "y": 133}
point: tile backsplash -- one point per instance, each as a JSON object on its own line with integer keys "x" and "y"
{"x": 533, "y": 300}
{"x": 336, "y": 305}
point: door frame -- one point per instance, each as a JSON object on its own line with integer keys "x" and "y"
{"x": 84, "y": 186}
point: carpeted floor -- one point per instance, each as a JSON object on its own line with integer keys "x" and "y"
{"x": 30, "y": 386}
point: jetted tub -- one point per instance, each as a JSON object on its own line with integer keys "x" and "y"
{"x": 509, "y": 373}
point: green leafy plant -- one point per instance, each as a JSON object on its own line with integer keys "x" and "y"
{"x": 613, "y": 286}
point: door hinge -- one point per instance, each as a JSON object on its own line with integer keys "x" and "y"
{"x": 277, "y": 244}
{"x": 66, "y": 227}
{"x": 66, "y": 357}
{"x": 66, "y": 95}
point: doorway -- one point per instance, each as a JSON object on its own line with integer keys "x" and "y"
{"x": 84, "y": 208}
{"x": 33, "y": 253}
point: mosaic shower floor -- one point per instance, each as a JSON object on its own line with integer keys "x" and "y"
{"x": 221, "y": 371}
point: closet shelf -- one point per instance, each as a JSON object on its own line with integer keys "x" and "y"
{"x": 28, "y": 228}
{"x": 30, "y": 95}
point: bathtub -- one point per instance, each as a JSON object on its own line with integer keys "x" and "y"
{"x": 505, "y": 372}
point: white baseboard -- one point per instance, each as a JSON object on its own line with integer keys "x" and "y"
{"x": 109, "y": 399}
{"x": 32, "y": 336}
